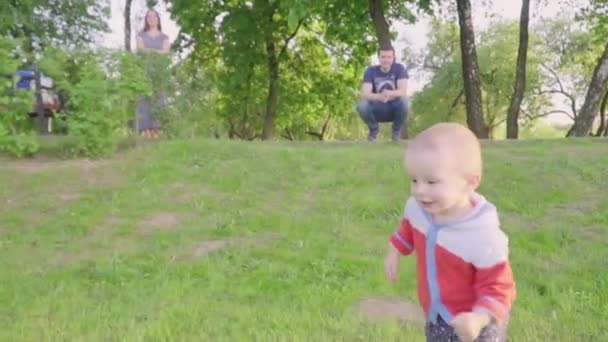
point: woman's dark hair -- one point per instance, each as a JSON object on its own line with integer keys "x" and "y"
{"x": 147, "y": 26}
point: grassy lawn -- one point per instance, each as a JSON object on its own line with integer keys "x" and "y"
{"x": 232, "y": 241}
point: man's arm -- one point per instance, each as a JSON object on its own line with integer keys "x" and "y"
{"x": 367, "y": 94}
{"x": 401, "y": 90}
{"x": 402, "y": 77}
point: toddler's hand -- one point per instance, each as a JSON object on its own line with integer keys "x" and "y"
{"x": 391, "y": 264}
{"x": 468, "y": 325}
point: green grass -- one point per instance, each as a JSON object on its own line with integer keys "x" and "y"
{"x": 106, "y": 250}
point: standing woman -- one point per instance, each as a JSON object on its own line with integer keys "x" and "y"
{"x": 151, "y": 40}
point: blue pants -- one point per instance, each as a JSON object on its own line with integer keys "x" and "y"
{"x": 373, "y": 112}
{"x": 443, "y": 332}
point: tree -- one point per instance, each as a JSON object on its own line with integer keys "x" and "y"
{"x": 40, "y": 23}
{"x": 320, "y": 92}
{"x": 602, "y": 130}
{"x": 249, "y": 43}
{"x": 596, "y": 90}
{"x": 520, "y": 73}
{"x": 443, "y": 98}
{"x": 127, "y": 17}
{"x": 376, "y": 12}
{"x": 470, "y": 70}
{"x": 594, "y": 14}
{"x": 570, "y": 51}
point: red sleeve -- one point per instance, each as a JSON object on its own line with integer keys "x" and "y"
{"x": 495, "y": 290}
{"x": 402, "y": 239}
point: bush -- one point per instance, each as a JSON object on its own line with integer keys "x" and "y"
{"x": 102, "y": 89}
{"x": 17, "y": 134}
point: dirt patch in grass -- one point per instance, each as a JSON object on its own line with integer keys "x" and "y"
{"x": 593, "y": 233}
{"x": 309, "y": 199}
{"x": 184, "y": 198}
{"x": 40, "y": 164}
{"x": 92, "y": 245}
{"x": 582, "y": 151}
{"x": 186, "y": 193}
{"x": 572, "y": 211}
{"x": 90, "y": 172}
{"x": 390, "y": 308}
{"x": 69, "y": 196}
{"x": 516, "y": 221}
{"x": 204, "y": 248}
{"x": 158, "y": 222}
{"x": 91, "y": 253}
{"x": 103, "y": 230}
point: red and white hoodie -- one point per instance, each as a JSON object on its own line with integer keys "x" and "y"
{"x": 461, "y": 265}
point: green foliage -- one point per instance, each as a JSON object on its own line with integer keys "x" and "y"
{"x": 497, "y": 58}
{"x": 133, "y": 80}
{"x": 594, "y": 13}
{"x": 93, "y": 121}
{"x": 43, "y": 23}
{"x": 102, "y": 90}
{"x": 17, "y": 135}
{"x": 192, "y": 109}
{"x": 318, "y": 89}
{"x": 443, "y": 98}
{"x": 101, "y": 107}
{"x": 320, "y": 48}
{"x": 572, "y": 53}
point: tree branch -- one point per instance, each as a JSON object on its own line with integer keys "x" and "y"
{"x": 562, "y": 92}
{"x": 455, "y": 102}
{"x": 290, "y": 37}
{"x": 315, "y": 134}
{"x": 561, "y": 87}
{"x": 332, "y": 49}
{"x": 555, "y": 75}
{"x": 430, "y": 66}
{"x": 498, "y": 123}
{"x": 537, "y": 116}
{"x": 321, "y": 136}
{"x": 288, "y": 135}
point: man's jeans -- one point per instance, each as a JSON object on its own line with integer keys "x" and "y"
{"x": 373, "y": 112}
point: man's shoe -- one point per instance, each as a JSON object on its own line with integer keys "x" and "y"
{"x": 396, "y": 137}
{"x": 373, "y": 134}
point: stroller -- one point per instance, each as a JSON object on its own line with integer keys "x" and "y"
{"x": 47, "y": 102}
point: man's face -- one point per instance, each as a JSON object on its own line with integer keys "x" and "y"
{"x": 386, "y": 58}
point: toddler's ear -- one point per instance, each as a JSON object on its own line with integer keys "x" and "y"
{"x": 473, "y": 181}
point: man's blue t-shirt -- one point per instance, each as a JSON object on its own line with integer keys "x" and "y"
{"x": 384, "y": 80}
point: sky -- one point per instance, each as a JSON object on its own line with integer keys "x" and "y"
{"x": 415, "y": 34}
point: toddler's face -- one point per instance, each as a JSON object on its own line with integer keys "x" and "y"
{"x": 437, "y": 183}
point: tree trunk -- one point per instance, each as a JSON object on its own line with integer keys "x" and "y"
{"x": 128, "y": 24}
{"x": 470, "y": 70}
{"x": 376, "y": 12}
{"x": 597, "y": 87}
{"x": 602, "y": 128}
{"x": 273, "y": 80}
{"x": 520, "y": 73}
